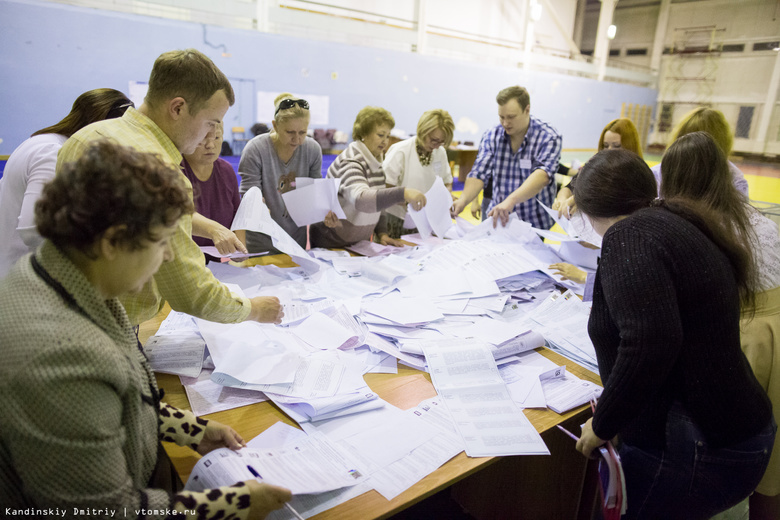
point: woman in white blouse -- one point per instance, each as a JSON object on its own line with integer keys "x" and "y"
{"x": 32, "y": 164}
{"x": 416, "y": 162}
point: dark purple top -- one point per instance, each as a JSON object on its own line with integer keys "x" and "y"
{"x": 217, "y": 198}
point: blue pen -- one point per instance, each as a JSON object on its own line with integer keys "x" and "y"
{"x": 287, "y": 505}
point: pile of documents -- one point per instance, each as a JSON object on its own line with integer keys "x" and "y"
{"x": 470, "y": 311}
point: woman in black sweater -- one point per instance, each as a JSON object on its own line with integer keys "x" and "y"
{"x": 695, "y": 427}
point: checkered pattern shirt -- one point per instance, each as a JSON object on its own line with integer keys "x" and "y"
{"x": 540, "y": 150}
{"x": 184, "y": 282}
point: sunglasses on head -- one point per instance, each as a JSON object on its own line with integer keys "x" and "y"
{"x": 289, "y": 103}
{"x": 119, "y": 108}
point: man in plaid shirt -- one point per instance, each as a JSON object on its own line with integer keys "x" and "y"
{"x": 521, "y": 155}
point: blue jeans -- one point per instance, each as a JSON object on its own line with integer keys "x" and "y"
{"x": 689, "y": 479}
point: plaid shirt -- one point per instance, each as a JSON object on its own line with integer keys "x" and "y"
{"x": 541, "y": 150}
{"x": 184, "y": 282}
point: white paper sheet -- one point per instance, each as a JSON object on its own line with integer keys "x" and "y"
{"x": 467, "y": 379}
{"x": 435, "y": 216}
{"x": 253, "y": 215}
{"x": 309, "y": 204}
{"x": 403, "y": 311}
{"x": 324, "y": 333}
{"x": 206, "y": 396}
{"x": 178, "y": 353}
{"x": 309, "y": 465}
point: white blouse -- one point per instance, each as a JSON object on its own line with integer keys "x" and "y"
{"x": 766, "y": 250}
{"x": 28, "y": 169}
{"x": 403, "y": 168}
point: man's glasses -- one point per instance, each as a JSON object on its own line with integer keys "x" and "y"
{"x": 289, "y": 103}
{"x": 119, "y": 108}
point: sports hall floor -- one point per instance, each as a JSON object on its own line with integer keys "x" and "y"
{"x": 763, "y": 180}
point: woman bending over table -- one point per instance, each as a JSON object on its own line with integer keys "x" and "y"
{"x": 694, "y": 167}
{"x": 363, "y": 193}
{"x": 417, "y": 161}
{"x": 694, "y": 425}
{"x": 82, "y": 418}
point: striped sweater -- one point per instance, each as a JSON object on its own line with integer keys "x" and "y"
{"x": 362, "y": 195}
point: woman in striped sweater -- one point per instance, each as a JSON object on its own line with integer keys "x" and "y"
{"x": 362, "y": 192}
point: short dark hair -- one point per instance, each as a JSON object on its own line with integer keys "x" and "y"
{"x": 189, "y": 74}
{"x": 111, "y": 185}
{"x": 89, "y": 107}
{"x": 514, "y": 92}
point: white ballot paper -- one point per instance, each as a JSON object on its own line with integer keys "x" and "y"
{"x": 564, "y": 391}
{"x": 467, "y": 379}
{"x": 178, "y": 353}
{"x": 213, "y": 251}
{"x": 206, "y": 396}
{"x": 435, "y": 216}
{"x": 576, "y": 225}
{"x": 309, "y": 465}
{"x": 253, "y": 215}
{"x": 309, "y": 202}
{"x": 323, "y": 332}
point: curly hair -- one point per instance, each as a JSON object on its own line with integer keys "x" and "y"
{"x": 368, "y": 119}
{"x": 111, "y": 185}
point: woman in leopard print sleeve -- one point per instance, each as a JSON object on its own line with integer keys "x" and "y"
{"x": 81, "y": 416}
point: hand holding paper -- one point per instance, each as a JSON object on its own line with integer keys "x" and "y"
{"x": 313, "y": 202}
{"x": 435, "y": 215}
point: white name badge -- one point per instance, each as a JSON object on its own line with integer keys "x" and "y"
{"x": 525, "y": 164}
{"x": 437, "y": 167}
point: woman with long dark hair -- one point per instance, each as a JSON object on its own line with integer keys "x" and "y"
{"x": 695, "y": 167}
{"x": 32, "y": 164}
{"x": 694, "y": 425}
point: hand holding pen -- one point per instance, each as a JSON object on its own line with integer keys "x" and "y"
{"x": 267, "y": 497}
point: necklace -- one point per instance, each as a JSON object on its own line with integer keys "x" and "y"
{"x": 425, "y": 157}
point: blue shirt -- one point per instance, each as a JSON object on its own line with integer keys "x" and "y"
{"x": 540, "y": 150}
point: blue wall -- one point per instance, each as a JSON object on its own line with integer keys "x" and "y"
{"x": 51, "y": 53}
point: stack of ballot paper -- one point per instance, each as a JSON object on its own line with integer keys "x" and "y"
{"x": 563, "y": 320}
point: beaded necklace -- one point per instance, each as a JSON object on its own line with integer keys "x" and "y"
{"x": 425, "y": 157}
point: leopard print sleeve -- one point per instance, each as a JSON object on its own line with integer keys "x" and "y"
{"x": 228, "y": 503}
{"x": 181, "y": 426}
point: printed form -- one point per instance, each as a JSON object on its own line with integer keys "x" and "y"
{"x": 489, "y": 421}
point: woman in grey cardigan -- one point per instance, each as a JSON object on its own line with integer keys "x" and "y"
{"x": 272, "y": 162}
{"x": 81, "y": 416}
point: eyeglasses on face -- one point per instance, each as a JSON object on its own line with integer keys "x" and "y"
{"x": 289, "y": 103}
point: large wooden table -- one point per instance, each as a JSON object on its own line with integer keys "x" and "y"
{"x": 490, "y": 488}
